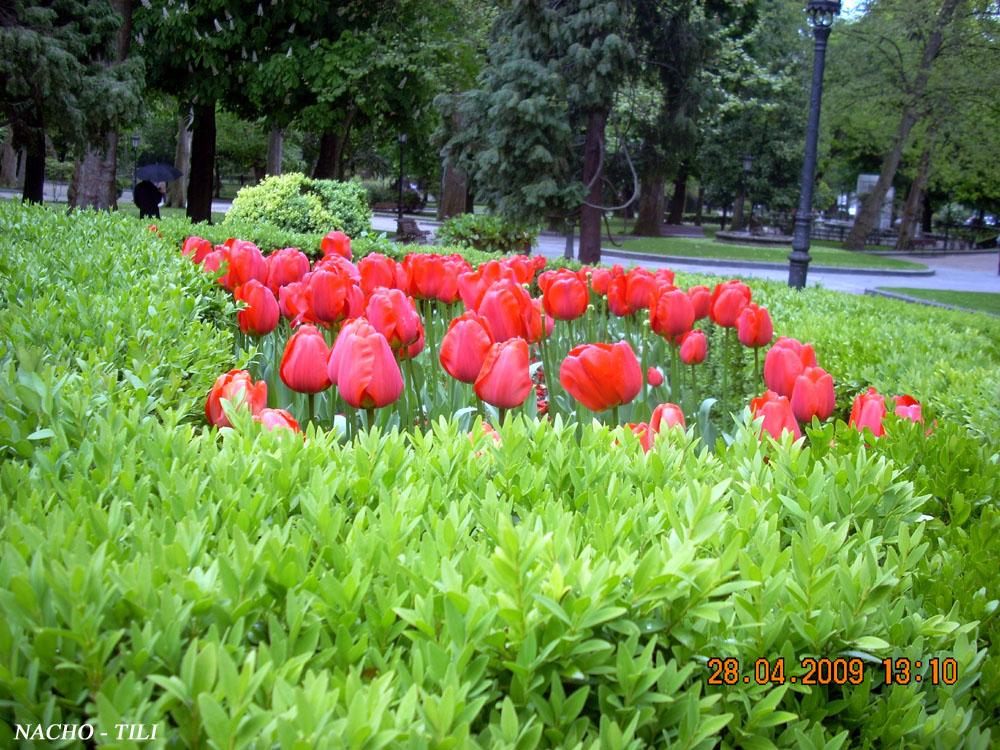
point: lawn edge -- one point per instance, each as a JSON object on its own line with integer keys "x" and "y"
{"x": 928, "y": 302}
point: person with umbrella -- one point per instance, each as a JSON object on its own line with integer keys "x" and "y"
{"x": 146, "y": 195}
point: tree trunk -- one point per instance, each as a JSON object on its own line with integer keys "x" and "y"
{"x": 871, "y": 206}
{"x": 34, "y": 161}
{"x": 590, "y": 217}
{"x": 275, "y": 151}
{"x": 454, "y": 188}
{"x": 331, "y": 150}
{"x": 651, "y": 205}
{"x": 177, "y": 190}
{"x": 737, "y": 222}
{"x": 927, "y": 220}
{"x": 914, "y": 200}
{"x": 699, "y": 206}
{"x": 8, "y": 162}
{"x": 94, "y": 183}
{"x": 199, "y": 198}
{"x": 678, "y": 201}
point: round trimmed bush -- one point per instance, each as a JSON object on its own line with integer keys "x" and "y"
{"x": 301, "y": 204}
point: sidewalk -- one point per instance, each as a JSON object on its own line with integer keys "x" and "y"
{"x": 963, "y": 273}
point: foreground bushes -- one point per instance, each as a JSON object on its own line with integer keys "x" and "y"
{"x": 420, "y": 589}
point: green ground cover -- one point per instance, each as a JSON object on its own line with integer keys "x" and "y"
{"x": 822, "y": 255}
{"x": 246, "y": 588}
{"x": 984, "y": 301}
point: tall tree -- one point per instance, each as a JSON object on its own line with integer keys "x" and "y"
{"x": 534, "y": 135}
{"x": 56, "y": 79}
{"x": 934, "y": 27}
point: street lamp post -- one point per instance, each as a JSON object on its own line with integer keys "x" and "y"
{"x": 399, "y": 204}
{"x": 135, "y": 161}
{"x": 821, "y": 14}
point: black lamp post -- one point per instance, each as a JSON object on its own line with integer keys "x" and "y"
{"x": 821, "y": 14}
{"x": 135, "y": 159}
{"x": 399, "y": 206}
{"x": 747, "y": 166}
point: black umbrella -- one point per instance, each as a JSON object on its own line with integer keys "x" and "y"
{"x": 157, "y": 172}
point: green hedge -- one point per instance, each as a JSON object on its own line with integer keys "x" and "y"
{"x": 488, "y": 233}
{"x": 98, "y": 316}
{"x": 256, "y": 589}
{"x": 298, "y": 203}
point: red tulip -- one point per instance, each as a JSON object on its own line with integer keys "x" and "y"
{"x": 601, "y": 376}
{"x": 645, "y": 435}
{"x": 523, "y": 267}
{"x": 328, "y": 296}
{"x": 295, "y": 303}
{"x": 664, "y": 276}
{"x": 671, "y": 314}
{"x": 472, "y": 285}
{"x": 754, "y": 326}
{"x": 260, "y": 316}
{"x": 701, "y": 299}
{"x": 377, "y": 271}
{"x": 336, "y": 243}
{"x": 363, "y": 367}
{"x": 694, "y": 347}
{"x": 640, "y": 288}
{"x": 285, "y": 266}
{"x": 197, "y": 248}
{"x": 728, "y": 301}
{"x": 245, "y": 263}
{"x": 303, "y": 366}
{"x": 666, "y": 416}
{"x": 339, "y": 265}
{"x": 777, "y": 414}
{"x": 600, "y": 278}
{"x": 869, "y": 411}
{"x": 785, "y": 361}
{"x": 654, "y": 377}
{"x": 812, "y": 395}
{"x": 215, "y": 261}
{"x": 617, "y": 292}
{"x": 908, "y": 407}
{"x": 550, "y": 323}
{"x": 394, "y": 315}
{"x": 465, "y": 346}
{"x": 510, "y": 311}
{"x": 504, "y": 380}
{"x": 238, "y": 388}
{"x": 276, "y": 419}
{"x": 432, "y": 276}
{"x": 564, "y": 296}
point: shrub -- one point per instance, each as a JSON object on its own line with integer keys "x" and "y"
{"x": 298, "y": 203}
{"x": 488, "y": 233}
{"x": 422, "y": 588}
{"x": 97, "y": 314}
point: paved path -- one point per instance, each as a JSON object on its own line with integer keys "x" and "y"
{"x": 966, "y": 272}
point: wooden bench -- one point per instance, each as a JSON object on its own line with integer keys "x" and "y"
{"x": 408, "y": 231}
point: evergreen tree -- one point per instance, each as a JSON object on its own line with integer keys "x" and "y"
{"x": 56, "y": 81}
{"x": 534, "y": 127}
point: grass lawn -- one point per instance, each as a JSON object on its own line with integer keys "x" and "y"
{"x": 822, "y": 255}
{"x": 983, "y": 301}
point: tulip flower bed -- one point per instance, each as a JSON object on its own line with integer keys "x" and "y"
{"x": 545, "y": 583}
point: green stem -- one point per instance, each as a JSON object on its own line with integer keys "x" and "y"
{"x": 614, "y": 416}
{"x": 370, "y": 415}
{"x": 503, "y": 415}
{"x": 311, "y": 400}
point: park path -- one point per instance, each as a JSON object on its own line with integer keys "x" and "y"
{"x": 974, "y": 273}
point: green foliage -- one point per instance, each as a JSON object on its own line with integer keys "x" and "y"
{"x": 488, "y": 233}
{"x": 98, "y": 317}
{"x": 297, "y": 203}
{"x": 54, "y": 65}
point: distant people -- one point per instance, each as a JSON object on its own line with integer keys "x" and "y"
{"x": 147, "y": 197}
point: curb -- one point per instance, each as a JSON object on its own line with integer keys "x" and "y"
{"x": 919, "y": 301}
{"x": 627, "y": 255}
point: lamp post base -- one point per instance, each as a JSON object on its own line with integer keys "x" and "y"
{"x": 798, "y": 267}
